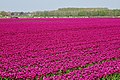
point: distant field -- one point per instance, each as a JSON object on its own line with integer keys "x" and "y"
{"x": 60, "y": 48}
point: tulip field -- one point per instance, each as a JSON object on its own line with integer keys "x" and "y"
{"x": 59, "y": 48}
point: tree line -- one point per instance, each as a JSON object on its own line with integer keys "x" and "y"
{"x": 67, "y": 12}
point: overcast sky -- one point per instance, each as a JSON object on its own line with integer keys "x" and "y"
{"x": 37, "y": 5}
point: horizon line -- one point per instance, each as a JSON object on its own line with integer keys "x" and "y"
{"x": 59, "y": 8}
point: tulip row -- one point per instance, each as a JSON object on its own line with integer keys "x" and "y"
{"x": 91, "y": 73}
{"x": 38, "y": 47}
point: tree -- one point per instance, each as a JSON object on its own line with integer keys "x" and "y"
{"x": 3, "y": 13}
{"x": 21, "y": 13}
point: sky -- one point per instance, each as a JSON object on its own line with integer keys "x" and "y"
{"x": 42, "y": 5}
